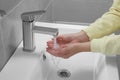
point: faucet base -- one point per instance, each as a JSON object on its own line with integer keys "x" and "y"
{"x": 26, "y": 50}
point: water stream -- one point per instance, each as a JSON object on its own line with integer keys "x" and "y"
{"x": 55, "y": 43}
{"x": 56, "y": 60}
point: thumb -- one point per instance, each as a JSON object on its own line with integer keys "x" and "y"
{"x": 60, "y": 39}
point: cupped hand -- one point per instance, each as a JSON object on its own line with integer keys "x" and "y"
{"x": 69, "y": 44}
{"x": 64, "y": 50}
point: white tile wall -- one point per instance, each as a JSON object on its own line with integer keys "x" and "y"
{"x": 11, "y": 25}
{"x": 7, "y": 5}
{"x": 86, "y": 11}
{"x": 2, "y": 49}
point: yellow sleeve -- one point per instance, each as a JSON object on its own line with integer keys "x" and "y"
{"x": 108, "y": 45}
{"x": 107, "y": 24}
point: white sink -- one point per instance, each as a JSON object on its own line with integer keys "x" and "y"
{"x": 83, "y": 66}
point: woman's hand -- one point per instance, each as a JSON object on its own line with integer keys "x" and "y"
{"x": 69, "y": 44}
{"x": 67, "y": 50}
{"x": 73, "y": 37}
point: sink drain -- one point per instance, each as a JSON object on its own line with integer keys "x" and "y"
{"x": 64, "y": 73}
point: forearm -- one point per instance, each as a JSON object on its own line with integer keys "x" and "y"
{"x": 83, "y": 47}
{"x": 108, "y": 45}
{"x": 104, "y": 26}
{"x": 107, "y": 24}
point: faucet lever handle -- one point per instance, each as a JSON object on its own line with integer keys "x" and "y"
{"x": 29, "y": 16}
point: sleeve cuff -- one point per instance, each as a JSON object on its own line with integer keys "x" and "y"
{"x": 97, "y": 45}
{"x": 108, "y": 45}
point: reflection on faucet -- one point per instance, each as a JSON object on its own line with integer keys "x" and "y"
{"x": 29, "y": 28}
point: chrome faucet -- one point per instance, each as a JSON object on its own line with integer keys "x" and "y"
{"x": 29, "y": 28}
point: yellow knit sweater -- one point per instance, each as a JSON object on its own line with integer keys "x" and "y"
{"x": 107, "y": 24}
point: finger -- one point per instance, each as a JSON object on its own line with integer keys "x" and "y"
{"x": 50, "y": 41}
{"x": 63, "y": 39}
{"x": 60, "y": 39}
{"x": 53, "y": 52}
{"x": 63, "y": 46}
{"x": 71, "y": 50}
{"x": 66, "y": 56}
{"x": 74, "y": 41}
{"x": 50, "y": 45}
{"x": 68, "y": 49}
{"x": 57, "y": 52}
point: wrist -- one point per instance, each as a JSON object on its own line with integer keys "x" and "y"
{"x": 83, "y": 47}
{"x": 83, "y": 37}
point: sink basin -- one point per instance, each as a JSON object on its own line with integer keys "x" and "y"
{"x": 40, "y": 65}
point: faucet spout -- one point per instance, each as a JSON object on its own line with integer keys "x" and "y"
{"x": 46, "y": 30}
{"x": 29, "y": 28}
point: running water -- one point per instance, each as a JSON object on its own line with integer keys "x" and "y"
{"x": 55, "y": 43}
{"x": 56, "y": 60}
